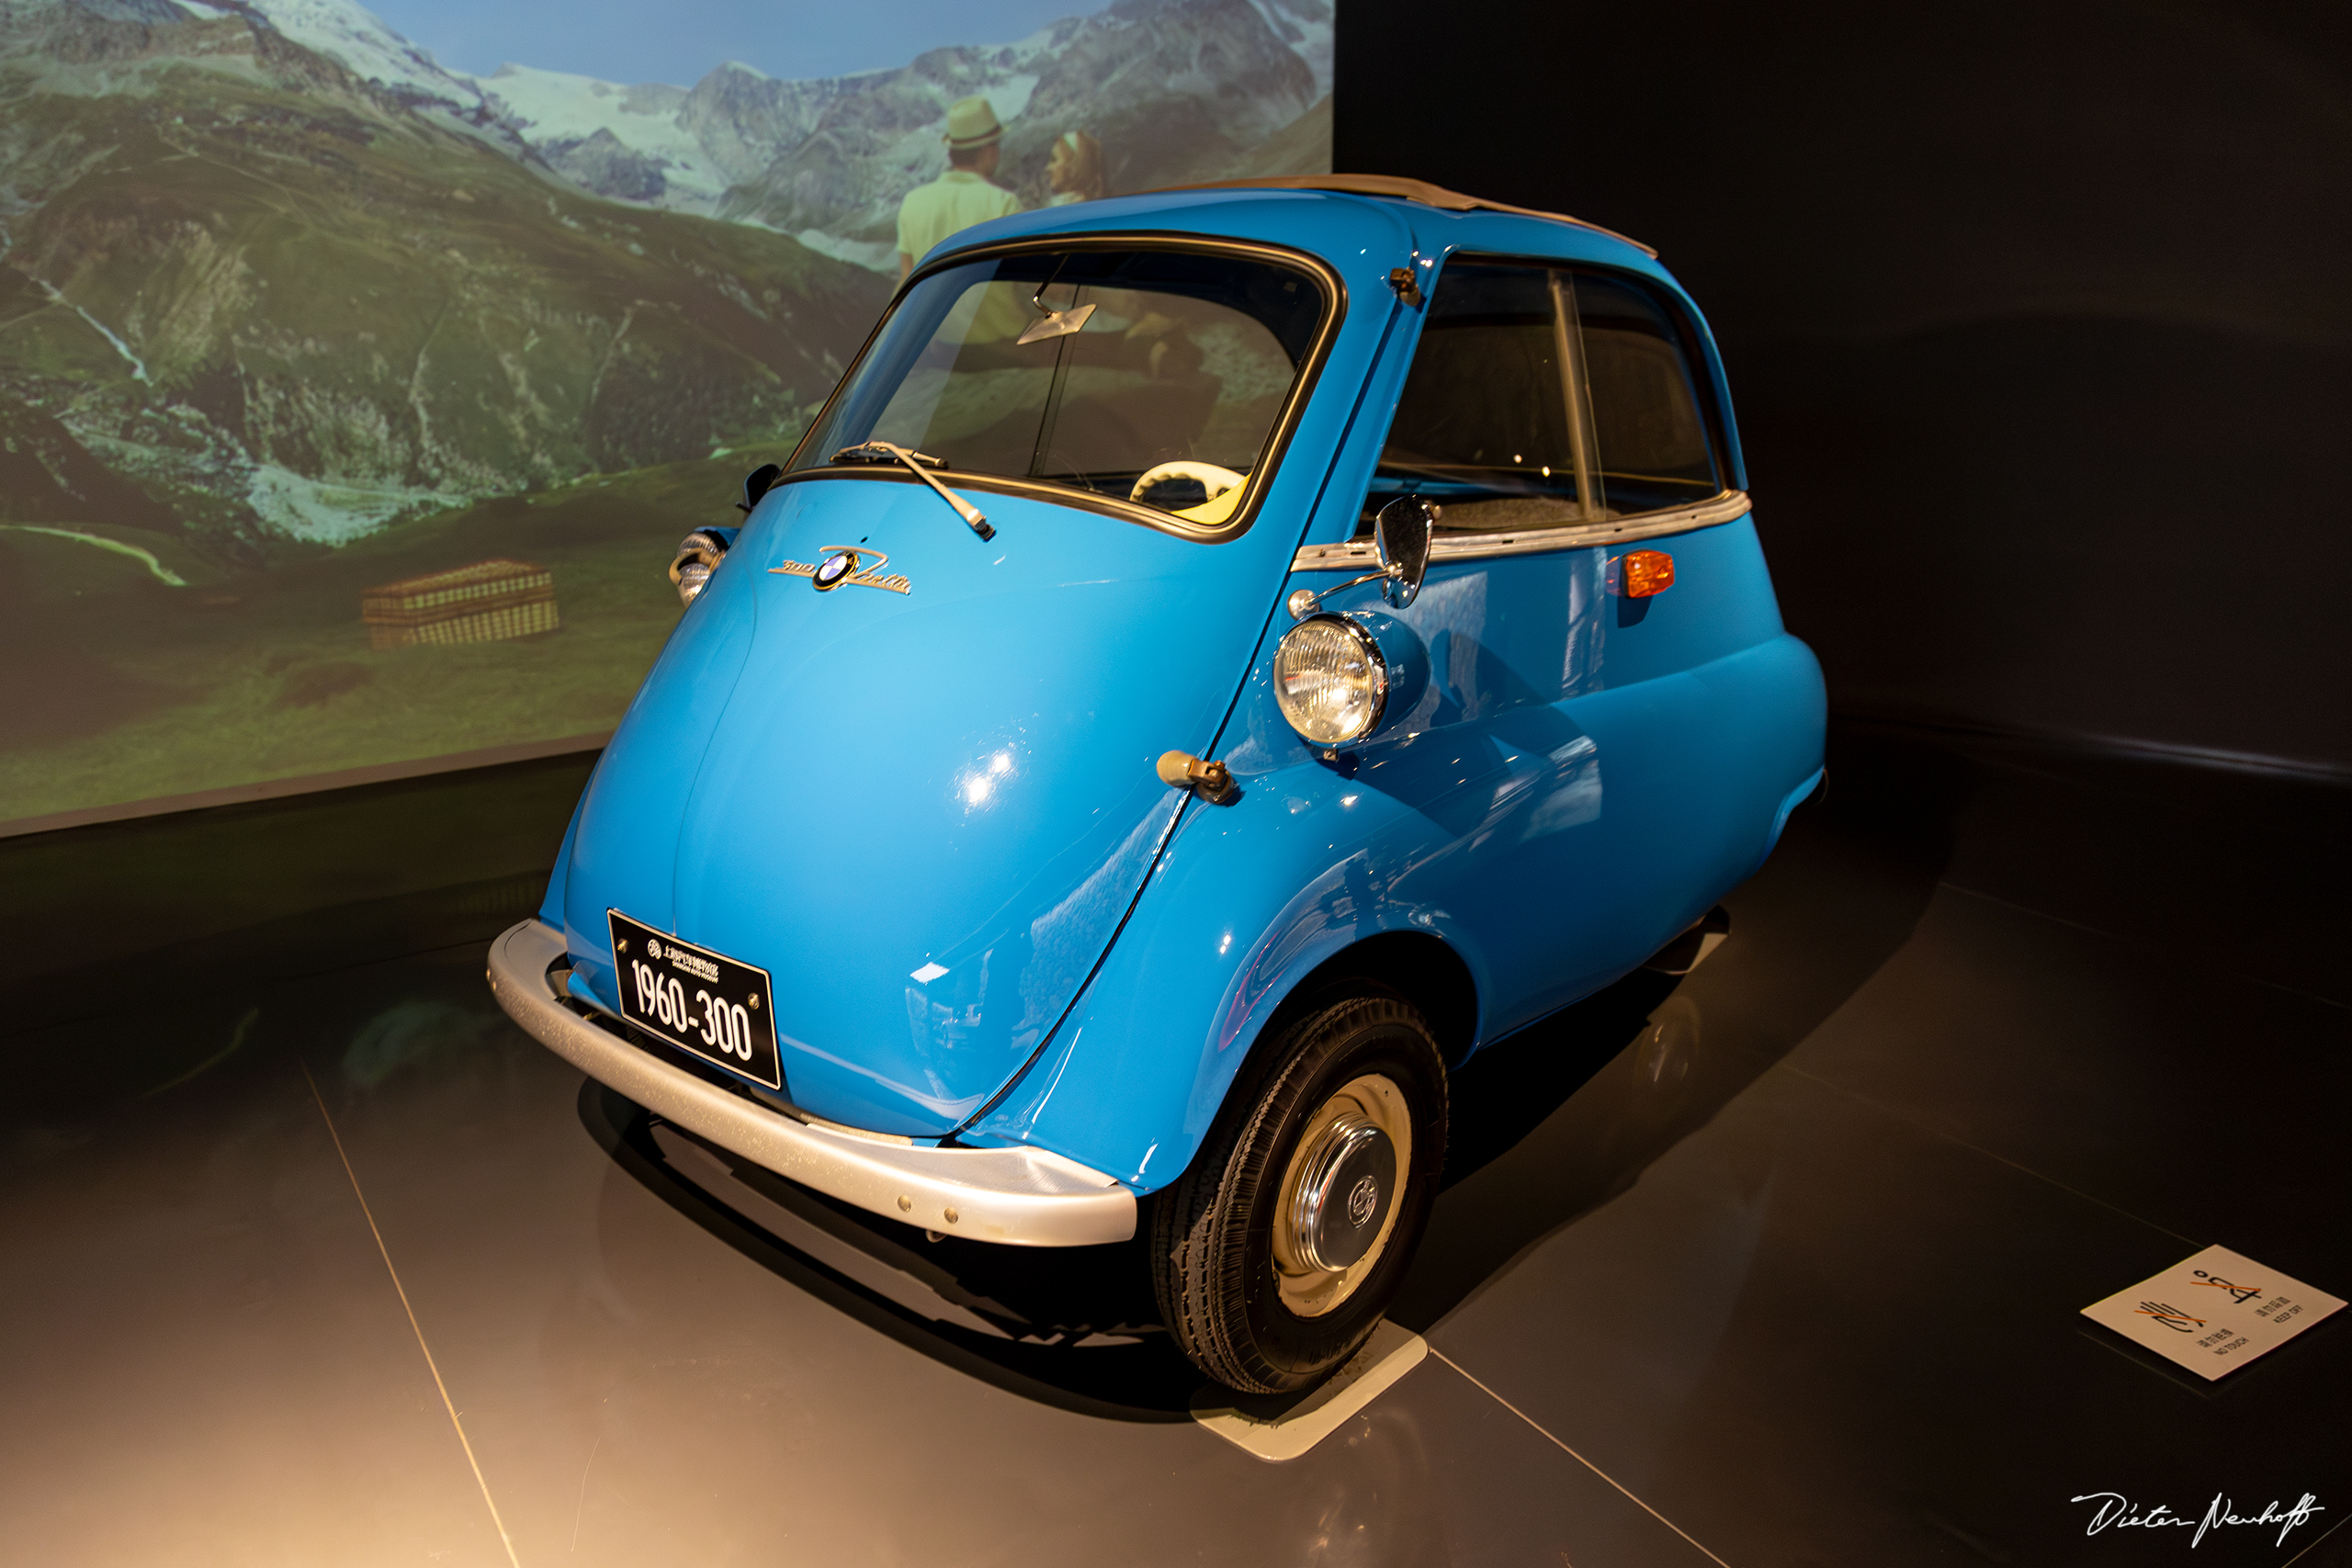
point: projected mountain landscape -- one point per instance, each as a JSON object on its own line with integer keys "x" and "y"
{"x": 287, "y": 310}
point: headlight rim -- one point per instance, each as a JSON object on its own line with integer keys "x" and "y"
{"x": 699, "y": 554}
{"x": 1375, "y": 660}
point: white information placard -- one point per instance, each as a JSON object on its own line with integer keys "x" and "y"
{"x": 2213, "y": 1312}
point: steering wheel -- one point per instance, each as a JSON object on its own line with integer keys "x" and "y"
{"x": 1214, "y": 480}
{"x": 1220, "y": 484}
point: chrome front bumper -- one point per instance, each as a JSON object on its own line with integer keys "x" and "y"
{"x": 1019, "y": 1197}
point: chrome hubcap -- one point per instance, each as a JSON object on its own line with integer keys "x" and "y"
{"x": 1338, "y": 1194}
{"x": 1350, "y": 1176}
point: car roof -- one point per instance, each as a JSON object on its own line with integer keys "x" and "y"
{"x": 1358, "y": 225}
{"x": 1271, "y": 212}
{"x": 1404, "y": 189}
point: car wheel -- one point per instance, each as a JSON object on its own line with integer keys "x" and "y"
{"x": 1275, "y": 1254}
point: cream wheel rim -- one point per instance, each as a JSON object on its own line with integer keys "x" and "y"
{"x": 1333, "y": 1172}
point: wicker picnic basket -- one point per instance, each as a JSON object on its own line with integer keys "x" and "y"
{"x": 487, "y": 602}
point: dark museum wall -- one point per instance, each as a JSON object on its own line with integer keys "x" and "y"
{"x": 2038, "y": 319}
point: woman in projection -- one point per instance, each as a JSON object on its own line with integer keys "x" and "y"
{"x": 1074, "y": 169}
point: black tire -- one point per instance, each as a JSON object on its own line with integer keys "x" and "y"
{"x": 1246, "y": 1319}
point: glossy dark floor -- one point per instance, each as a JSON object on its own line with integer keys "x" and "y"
{"x": 1778, "y": 1264}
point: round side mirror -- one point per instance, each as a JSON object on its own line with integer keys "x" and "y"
{"x": 1400, "y": 537}
{"x": 757, "y": 483}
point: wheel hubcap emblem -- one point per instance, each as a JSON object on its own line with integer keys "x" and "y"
{"x": 1342, "y": 1198}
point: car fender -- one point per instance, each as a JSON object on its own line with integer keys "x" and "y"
{"x": 1249, "y": 900}
{"x": 551, "y": 904}
{"x": 1253, "y": 896}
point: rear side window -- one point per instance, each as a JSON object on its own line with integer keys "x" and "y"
{"x": 1545, "y": 396}
{"x": 1652, "y": 440}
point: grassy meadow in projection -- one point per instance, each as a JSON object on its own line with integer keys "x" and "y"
{"x": 144, "y": 688}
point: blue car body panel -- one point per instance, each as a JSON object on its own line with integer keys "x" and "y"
{"x": 1552, "y": 842}
{"x": 851, "y": 787}
{"x": 877, "y": 785}
{"x": 857, "y": 788}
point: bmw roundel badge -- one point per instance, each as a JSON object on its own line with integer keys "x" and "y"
{"x": 852, "y": 564}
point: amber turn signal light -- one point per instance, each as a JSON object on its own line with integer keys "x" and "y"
{"x": 1641, "y": 575}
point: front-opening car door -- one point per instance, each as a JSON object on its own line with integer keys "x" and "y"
{"x": 1580, "y": 766}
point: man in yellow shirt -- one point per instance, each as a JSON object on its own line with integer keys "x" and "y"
{"x": 964, "y": 194}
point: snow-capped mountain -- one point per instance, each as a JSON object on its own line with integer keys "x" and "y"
{"x": 625, "y": 142}
{"x": 453, "y": 304}
{"x": 350, "y": 302}
{"x": 1177, "y": 89}
{"x": 358, "y": 38}
{"x": 1307, "y": 27}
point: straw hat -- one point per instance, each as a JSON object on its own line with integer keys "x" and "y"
{"x": 971, "y": 122}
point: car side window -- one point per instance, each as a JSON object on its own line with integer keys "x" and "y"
{"x": 1543, "y": 397}
{"x": 1645, "y": 410}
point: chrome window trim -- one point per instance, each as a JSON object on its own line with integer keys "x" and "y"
{"x": 1357, "y": 554}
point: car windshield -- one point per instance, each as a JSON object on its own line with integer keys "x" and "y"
{"x": 1155, "y": 377}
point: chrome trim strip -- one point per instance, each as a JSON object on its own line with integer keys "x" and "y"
{"x": 1357, "y": 554}
{"x": 1017, "y": 1197}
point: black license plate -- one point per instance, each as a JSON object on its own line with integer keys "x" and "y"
{"x": 696, "y": 999}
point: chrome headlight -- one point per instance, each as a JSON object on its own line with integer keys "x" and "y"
{"x": 1331, "y": 680}
{"x": 698, "y": 556}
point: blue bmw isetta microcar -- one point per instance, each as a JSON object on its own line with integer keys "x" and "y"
{"x": 1220, "y": 658}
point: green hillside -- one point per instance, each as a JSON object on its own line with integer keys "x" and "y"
{"x": 268, "y": 337}
{"x": 127, "y": 688}
{"x": 291, "y": 309}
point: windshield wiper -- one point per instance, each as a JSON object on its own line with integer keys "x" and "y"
{"x": 887, "y": 452}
